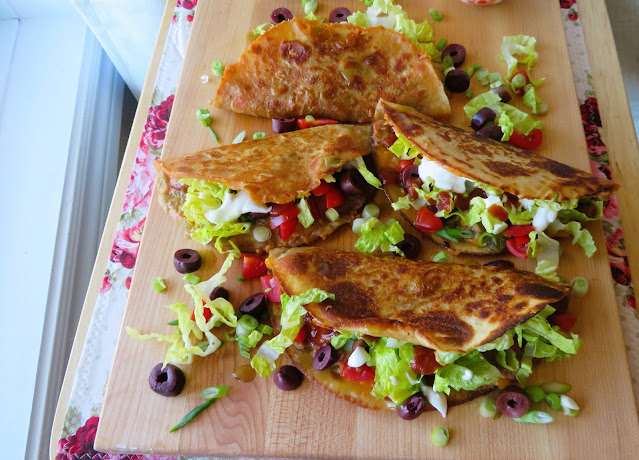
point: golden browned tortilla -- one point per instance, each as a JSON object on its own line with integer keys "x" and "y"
{"x": 519, "y": 172}
{"x": 274, "y": 169}
{"x": 337, "y": 71}
{"x": 447, "y": 307}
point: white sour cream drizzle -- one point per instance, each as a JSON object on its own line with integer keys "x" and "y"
{"x": 233, "y": 206}
{"x": 442, "y": 178}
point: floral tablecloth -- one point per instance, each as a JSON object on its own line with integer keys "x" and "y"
{"x": 87, "y": 395}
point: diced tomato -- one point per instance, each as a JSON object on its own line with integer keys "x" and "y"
{"x": 281, "y": 213}
{"x": 521, "y": 240}
{"x": 517, "y": 250}
{"x": 301, "y": 335}
{"x": 529, "y": 142}
{"x": 287, "y": 228}
{"x": 206, "y": 312}
{"x": 334, "y": 198}
{"x": 566, "y": 321}
{"x": 252, "y": 265}
{"x": 322, "y": 189}
{"x": 362, "y": 373}
{"x": 519, "y": 230}
{"x": 403, "y": 164}
{"x": 427, "y": 221}
{"x": 272, "y": 283}
{"x": 303, "y": 123}
{"x": 520, "y": 91}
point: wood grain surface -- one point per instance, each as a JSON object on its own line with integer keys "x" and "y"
{"x": 257, "y": 419}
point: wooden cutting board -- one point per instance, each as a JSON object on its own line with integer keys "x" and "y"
{"x": 257, "y": 419}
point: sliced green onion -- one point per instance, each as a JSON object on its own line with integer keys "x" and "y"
{"x": 214, "y": 392}
{"x": 535, "y": 393}
{"x": 454, "y": 234}
{"x": 158, "y": 284}
{"x": 370, "y": 210}
{"x": 487, "y": 408}
{"x": 482, "y": 73}
{"x": 265, "y": 329}
{"x": 240, "y": 278}
{"x": 441, "y": 256}
{"x": 357, "y": 225}
{"x": 469, "y": 94}
{"x": 441, "y": 43}
{"x": 571, "y": 408}
{"x": 248, "y": 322}
{"x": 190, "y": 278}
{"x": 259, "y": 135}
{"x": 436, "y": 15}
{"x": 556, "y": 387}
{"x": 447, "y": 63}
{"x": 204, "y": 116}
{"x": 535, "y": 416}
{"x": 579, "y": 286}
{"x": 309, "y": 118}
{"x": 191, "y": 415}
{"x": 440, "y": 436}
{"x": 217, "y": 68}
{"x": 228, "y": 337}
{"x": 239, "y": 138}
{"x": 553, "y": 401}
{"x": 261, "y": 234}
{"x": 494, "y": 77}
{"x": 332, "y": 214}
{"x": 172, "y": 323}
{"x": 213, "y": 135}
{"x": 472, "y": 69}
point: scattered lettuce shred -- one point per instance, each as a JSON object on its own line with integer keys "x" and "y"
{"x": 203, "y": 196}
{"x": 394, "y": 377}
{"x": 291, "y": 321}
{"x": 518, "y": 49}
{"x": 359, "y": 164}
{"x": 190, "y": 337}
{"x": 385, "y": 236}
{"x": 509, "y": 117}
{"x": 305, "y": 216}
{"x": 547, "y": 251}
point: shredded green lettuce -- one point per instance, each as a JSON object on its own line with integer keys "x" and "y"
{"x": 515, "y": 118}
{"x": 518, "y": 49}
{"x": 468, "y": 372}
{"x": 368, "y": 176}
{"x": 338, "y": 341}
{"x": 547, "y": 251}
{"x": 291, "y": 322}
{"x": 580, "y": 235}
{"x": 403, "y": 149}
{"x": 305, "y": 216}
{"x": 384, "y": 236}
{"x": 531, "y": 99}
{"x": 393, "y": 375}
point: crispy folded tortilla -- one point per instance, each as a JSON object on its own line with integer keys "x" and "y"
{"x": 274, "y": 169}
{"x": 519, "y": 172}
{"x": 447, "y": 307}
{"x": 329, "y": 70}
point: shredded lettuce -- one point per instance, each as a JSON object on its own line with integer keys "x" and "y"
{"x": 537, "y": 329}
{"x": 393, "y": 375}
{"x": 515, "y": 118}
{"x": 385, "y": 13}
{"x": 570, "y": 213}
{"x": 580, "y": 235}
{"x": 305, "y": 216}
{"x": 384, "y": 236}
{"x": 518, "y": 45}
{"x": 291, "y": 321}
{"x": 468, "y": 372}
{"x": 531, "y": 99}
{"x": 547, "y": 252}
{"x": 338, "y": 341}
{"x": 403, "y": 149}
{"x": 368, "y": 176}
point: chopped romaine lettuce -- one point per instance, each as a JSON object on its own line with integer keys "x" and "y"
{"x": 368, "y": 176}
{"x": 338, "y": 341}
{"x": 580, "y": 235}
{"x": 518, "y": 45}
{"x": 403, "y": 149}
{"x": 305, "y": 216}
{"x": 547, "y": 252}
{"x": 516, "y": 119}
{"x": 393, "y": 375}
{"x": 384, "y": 236}
{"x": 291, "y": 321}
{"x": 468, "y": 372}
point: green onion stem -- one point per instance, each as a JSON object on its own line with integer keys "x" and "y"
{"x": 265, "y": 329}
{"x": 191, "y": 415}
{"x": 556, "y": 387}
{"x": 217, "y": 68}
{"x": 535, "y": 416}
{"x": 441, "y": 256}
{"x": 436, "y": 15}
{"x": 440, "y": 436}
{"x": 239, "y": 138}
{"x": 579, "y": 286}
{"x": 553, "y": 401}
{"x": 213, "y": 135}
{"x": 172, "y": 323}
{"x": 158, "y": 284}
{"x": 487, "y": 408}
{"x": 190, "y": 278}
{"x": 248, "y": 322}
{"x": 441, "y": 43}
{"x": 259, "y": 135}
{"x": 535, "y": 393}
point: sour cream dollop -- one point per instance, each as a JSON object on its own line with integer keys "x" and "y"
{"x": 442, "y": 178}
{"x": 233, "y": 206}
